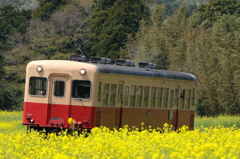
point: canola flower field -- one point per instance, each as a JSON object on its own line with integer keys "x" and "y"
{"x": 211, "y": 141}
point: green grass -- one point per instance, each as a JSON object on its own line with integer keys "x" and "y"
{"x": 226, "y": 121}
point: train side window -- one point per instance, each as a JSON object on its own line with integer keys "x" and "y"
{"x": 38, "y": 86}
{"x": 182, "y": 96}
{"x": 113, "y": 94}
{"x": 171, "y": 98}
{"x": 81, "y": 89}
{"x": 105, "y": 94}
{"x": 59, "y": 88}
{"x": 146, "y": 96}
{"x": 132, "y": 96}
{"x": 159, "y": 97}
{"x": 139, "y": 96}
{"x": 153, "y": 97}
{"x": 126, "y": 95}
{"x": 165, "y": 98}
{"x": 188, "y": 98}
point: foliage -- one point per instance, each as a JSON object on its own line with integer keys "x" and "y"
{"x": 205, "y": 43}
{"x": 149, "y": 40}
{"x": 11, "y": 84}
{"x": 159, "y": 43}
{"x": 220, "y": 121}
{"x": 208, "y": 13}
{"x": 211, "y": 54}
{"x": 172, "y": 5}
{"x": 12, "y": 20}
{"x": 23, "y": 4}
{"x": 47, "y": 7}
{"x": 64, "y": 34}
{"x": 217, "y": 69}
{"x": 113, "y": 25}
{"x": 211, "y": 142}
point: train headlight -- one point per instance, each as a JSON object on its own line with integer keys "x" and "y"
{"x": 39, "y": 68}
{"x": 82, "y": 71}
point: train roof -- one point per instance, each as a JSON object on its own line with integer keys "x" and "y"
{"x": 146, "y": 72}
{"x": 123, "y": 70}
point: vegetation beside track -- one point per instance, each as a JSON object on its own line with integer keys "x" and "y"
{"x": 215, "y": 141}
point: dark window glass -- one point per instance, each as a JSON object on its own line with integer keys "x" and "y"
{"x": 139, "y": 96}
{"x": 38, "y": 86}
{"x": 59, "y": 88}
{"x": 188, "y": 98}
{"x": 146, "y": 96}
{"x": 165, "y": 98}
{"x": 105, "y": 94}
{"x": 81, "y": 89}
{"x": 159, "y": 97}
{"x": 153, "y": 97}
{"x": 171, "y": 98}
{"x": 126, "y": 95}
{"x": 113, "y": 94}
{"x": 182, "y": 98}
{"x": 132, "y": 96}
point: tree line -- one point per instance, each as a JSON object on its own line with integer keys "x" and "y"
{"x": 200, "y": 38}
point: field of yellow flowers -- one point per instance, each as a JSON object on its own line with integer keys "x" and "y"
{"x": 212, "y": 142}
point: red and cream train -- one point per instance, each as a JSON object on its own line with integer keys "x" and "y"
{"x": 98, "y": 93}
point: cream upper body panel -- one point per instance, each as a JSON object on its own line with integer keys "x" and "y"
{"x": 60, "y": 67}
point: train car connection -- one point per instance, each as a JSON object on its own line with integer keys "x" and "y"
{"x": 99, "y": 93}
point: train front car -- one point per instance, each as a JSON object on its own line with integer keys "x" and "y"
{"x": 58, "y": 91}
{"x": 99, "y": 93}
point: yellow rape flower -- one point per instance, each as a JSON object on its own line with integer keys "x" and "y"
{"x": 70, "y": 121}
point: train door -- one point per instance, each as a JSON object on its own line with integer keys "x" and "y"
{"x": 176, "y": 106}
{"x": 119, "y": 104}
{"x": 59, "y": 99}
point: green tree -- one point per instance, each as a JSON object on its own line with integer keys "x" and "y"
{"x": 12, "y": 20}
{"x": 98, "y": 18}
{"x": 165, "y": 42}
{"x": 216, "y": 51}
{"x": 114, "y": 25}
{"x": 216, "y": 67}
{"x": 47, "y": 7}
{"x": 63, "y": 34}
{"x": 149, "y": 43}
{"x": 23, "y": 4}
{"x": 226, "y": 35}
{"x": 178, "y": 39}
{"x": 102, "y": 4}
{"x": 207, "y": 14}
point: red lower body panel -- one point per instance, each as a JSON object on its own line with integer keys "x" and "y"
{"x": 56, "y": 116}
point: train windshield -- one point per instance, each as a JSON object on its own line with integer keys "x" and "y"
{"x": 81, "y": 89}
{"x": 37, "y": 86}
